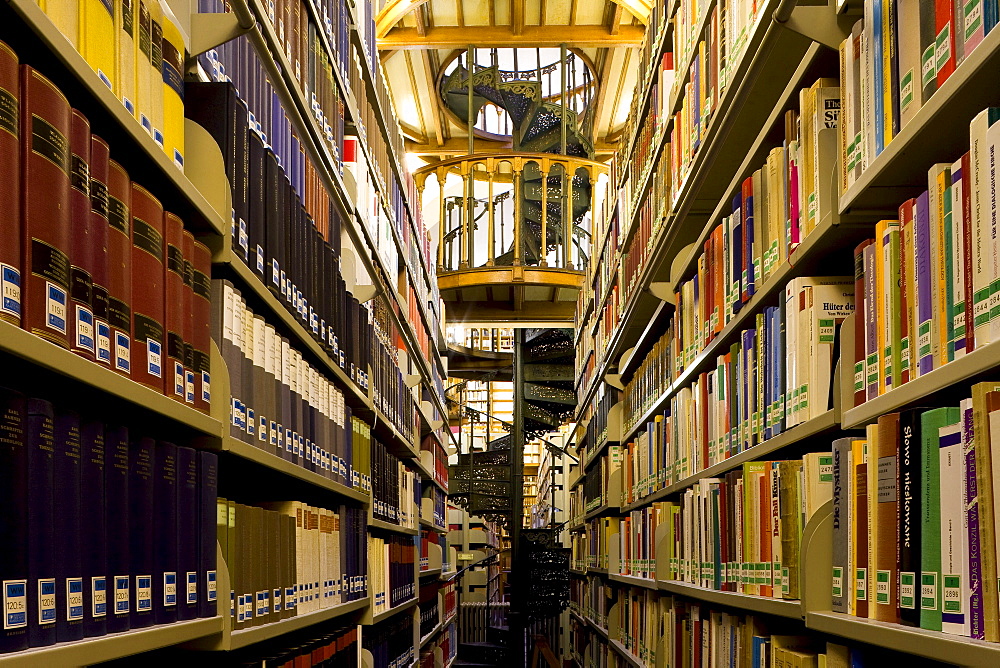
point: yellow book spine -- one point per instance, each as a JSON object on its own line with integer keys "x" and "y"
{"x": 65, "y": 15}
{"x": 124, "y": 45}
{"x": 881, "y": 316}
{"x": 887, "y": 54}
{"x": 143, "y": 98}
{"x": 173, "y": 92}
{"x": 155, "y": 72}
{"x": 97, "y": 39}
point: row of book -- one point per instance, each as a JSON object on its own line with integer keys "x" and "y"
{"x": 932, "y": 293}
{"x": 146, "y": 556}
{"x": 439, "y": 503}
{"x": 395, "y": 488}
{"x": 393, "y": 570}
{"x": 895, "y": 59}
{"x": 89, "y": 259}
{"x": 923, "y": 549}
{"x": 335, "y": 647}
{"x": 741, "y": 532}
{"x": 447, "y": 644}
{"x": 289, "y": 558}
{"x": 429, "y": 607}
{"x": 389, "y": 392}
{"x": 597, "y": 424}
{"x": 657, "y": 629}
{"x": 775, "y": 375}
{"x": 590, "y": 597}
{"x": 391, "y": 642}
{"x": 280, "y": 402}
{"x": 138, "y": 50}
{"x": 775, "y": 208}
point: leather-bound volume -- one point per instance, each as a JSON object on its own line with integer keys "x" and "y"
{"x": 68, "y": 527}
{"x": 140, "y": 529}
{"x": 10, "y": 183}
{"x": 217, "y": 108}
{"x": 208, "y": 492}
{"x": 93, "y": 511}
{"x": 120, "y": 268}
{"x": 81, "y": 313}
{"x": 14, "y": 520}
{"x": 173, "y": 366}
{"x": 40, "y": 440}
{"x": 45, "y": 211}
{"x": 274, "y": 219}
{"x": 147, "y": 289}
{"x": 201, "y": 313}
{"x": 116, "y": 497}
{"x": 187, "y": 330}
{"x": 256, "y": 165}
{"x": 97, "y": 233}
{"x": 166, "y": 587}
{"x": 187, "y": 533}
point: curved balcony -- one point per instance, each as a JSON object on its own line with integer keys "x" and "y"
{"x": 515, "y": 232}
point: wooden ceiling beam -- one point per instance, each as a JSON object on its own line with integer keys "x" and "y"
{"x": 394, "y": 11}
{"x": 453, "y": 147}
{"x": 517, "y": 18}
{"x": 450, "y": 37}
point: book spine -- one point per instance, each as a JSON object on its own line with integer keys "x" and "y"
{"x": 201, "y": 310}
{"x": 45, "y": 210}
{"x": 141, "y": 529}
{"x": 147, "y": 289}
{"x": 98, "y": 233}
{"x": 14, "y": 445}
{"x": 165, "y": 538}
{"x": 67, "y": 527}
{"x": 174, "y": 314}
{"x": 116, "y": 490}
{"x": 187, "y": 316}
{"x": 208, "y": 486}
{"x": 11, "y": 242}
{"x": 40, "y": 438}
{"x": 975, "y": 600}
{"x": 923, "y": 275}
{"x": 81, "y": 315}
{"x": 188, "y": 522}
{"x": 928, "y": 50}
{"x": 120, "y": 268}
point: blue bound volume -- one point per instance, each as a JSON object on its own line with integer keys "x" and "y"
{"x": 140, "y": 526}
{"x": 13, "y": 521}
{"x": 94, "y": 553}
{"x": 41, "y": 536}
{"x": 116, "y": 496}
{"x": 165, "y": 581}
{"x": 187, "y": 533}
{"x": 208, "y": 492}
{"x": 68, "y": 530}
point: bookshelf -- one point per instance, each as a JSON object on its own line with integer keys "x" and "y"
{"x": 200, "y": 196}
{"x": 775, "y": 66}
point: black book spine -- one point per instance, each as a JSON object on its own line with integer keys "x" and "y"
{"x": 272, "y": 212}
{"x": 187, "y": 533}
{"x": 165, "y": 474}
{"x": 140, "y": 520}
{"x": 14, "y": 520}
{"x": 116, "y": 496}
{"x": 262, "y": 264}
{"x": 208, "y": 492}
{"x": 93, "y": 516}
{"x": 41, "y": 535}
{"x": 68, "y": 529}
{"x": 909, "y": 513}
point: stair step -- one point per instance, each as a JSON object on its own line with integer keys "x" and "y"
{"x": 541, "y": 373}
{"x": 537, "y": 392}
{"x": 463, "y": 662}
{"x": 485, "y": 652}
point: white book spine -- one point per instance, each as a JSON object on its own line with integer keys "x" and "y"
{"x": 982, "y": 249}
{"x": 954, "y": 535}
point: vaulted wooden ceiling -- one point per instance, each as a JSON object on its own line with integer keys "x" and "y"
{"x": 415, "y": 37}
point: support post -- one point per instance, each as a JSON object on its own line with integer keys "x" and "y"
{"x": 543, "y": 245}
{"x": 517, "y": 619}
{"x": 518, "y": 233}
{"x": 490, "y": 231}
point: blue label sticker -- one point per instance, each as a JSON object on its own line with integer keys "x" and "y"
{"x": 153, "y": 357}
{"x": 123, "y": 355}
{"x": 103, "y": 341}
{"x": 211, "y": 586}
{"x": 143, "y": 593}
{"x": 98, "y": 596}
{"x": 122, "y": 591}
{"x": 169, "y": 589}
{"x": 206, "y": 387}
{"x": 10, "y": 290}
{"x": 46, "y": 601}
{"x": 191, "y": 595}
{"x": 15, "y": 604}
{"x": 55, "y": 307}
{"x": 74, "y": 599}
{"x": 179, "y": 379}
{"x": 189, "y": 387}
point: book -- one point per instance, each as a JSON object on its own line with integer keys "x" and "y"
{"x": 910, "y": 525}
{"x": 933, "y": 424}
{"x": 124, "y": 44}
{"x": 842, "y": 512}
{"x": 98, "y": 40}
{"x": 147, "y": 289}
{"x": 14, "y": 525}
{"x": 94, "y": 545}
{"x": 173, "y": 54}
{"x": 165, "y": 479}
{"x": 175, "y": 316}
{"x": 11, "y": 249}
{"x": 117, "y": 504}
{"x": 98, "y": 233}
{"x": 67, "y": 526}
{"x": 120, "y": 268}
{"x": 141, "y": 492}
{"x": 41, "y": 600}
{"x": 45, "y": 119}
{"x": 208, "y": 485}
{"x": 191, "y": 525}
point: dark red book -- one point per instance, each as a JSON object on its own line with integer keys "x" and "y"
{"x": 187, "y": 331}
{"x": 174, "y": 306}
{"x": 201, "y": 313}
{"x": 120, "y": 268}
{"x": 97, "y": 231}
{"x": 45, "y": 129}
{"x": 81, "y": 313}
{"x": 147, "y": 289}
{"x": 10, "y": 184}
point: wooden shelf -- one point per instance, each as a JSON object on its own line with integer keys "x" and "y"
{"x": 768, "y": 606}
{"x": 100, "y": 383}
{"x": 631, "y": 658}
{"x": 429, "y": 572}
{"x": 112, "y": 646}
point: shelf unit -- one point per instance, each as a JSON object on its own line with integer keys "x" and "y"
{"x": 200, "y": 197}
{"x": 732, "y": 149}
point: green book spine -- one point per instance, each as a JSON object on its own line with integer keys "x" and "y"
{"x": 931, "y": 423}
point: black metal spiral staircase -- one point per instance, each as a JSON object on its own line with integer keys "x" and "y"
{"x": 538, "y": 128}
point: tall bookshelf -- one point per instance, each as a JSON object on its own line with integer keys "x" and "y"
{"x": 650, "y": 231}
{"x": 397, "y": 274}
